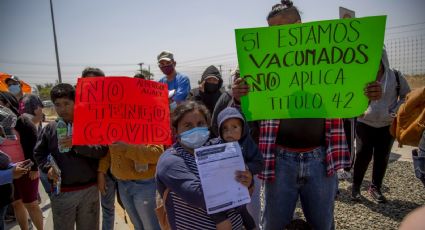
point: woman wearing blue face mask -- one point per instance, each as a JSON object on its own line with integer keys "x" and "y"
{"x": 177, "y": 175}
{"x": 15, "y": 87}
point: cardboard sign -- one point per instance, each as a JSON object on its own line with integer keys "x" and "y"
{"x": 346, "y": 13}
{"x": 110, "y": 109}
{"x": 309, "y": 70}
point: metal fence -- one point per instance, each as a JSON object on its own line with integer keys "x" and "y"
{"x": 407, "y": 54}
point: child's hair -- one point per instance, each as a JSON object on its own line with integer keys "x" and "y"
{"x": 92, "y": 71}
{"x": 62, "y": 90}
{"x": 186, "y": 107}
{"x": 285, "y": 7}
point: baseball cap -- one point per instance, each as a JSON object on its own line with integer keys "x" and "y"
{"x": 12, "y": 78}
{"x": 165, "y": 55}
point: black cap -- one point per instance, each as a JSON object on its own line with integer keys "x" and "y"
{"x": 12, "y": 78}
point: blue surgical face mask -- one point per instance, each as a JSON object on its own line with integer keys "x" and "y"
{"x": 195, "y": 137}
{"x": 15, "y": 89}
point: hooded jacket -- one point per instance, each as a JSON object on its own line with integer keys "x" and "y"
{"x": 252, "y": 155}
{"x": 380, "y": 113}
{"x": 208, "y": 99}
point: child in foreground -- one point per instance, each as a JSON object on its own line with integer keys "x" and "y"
{"x": 232, "y": 127}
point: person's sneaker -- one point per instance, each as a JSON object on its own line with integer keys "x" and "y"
{"x": 355, "y": 193}
{"x": 376, "y": 194}
{"x": 343, "y": 175}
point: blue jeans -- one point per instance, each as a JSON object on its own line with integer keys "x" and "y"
{"x": 300, "y": 175}
{"x": 3, "y": 210}
{"x": 45, "y": 182}
{"x": 254, "y": 207}
{"x": 419, "y": 160}
{"x": 139, "y": 199}
{"x": 108, "y": 203}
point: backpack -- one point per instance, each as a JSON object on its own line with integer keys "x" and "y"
{"x": 409, "y": 124}
{"x": 397, "y": 74}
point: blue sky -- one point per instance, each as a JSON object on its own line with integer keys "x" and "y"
{"x": 116, "y": 35}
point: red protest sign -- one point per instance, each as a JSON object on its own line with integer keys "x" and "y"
{"x": 110, "y": 109}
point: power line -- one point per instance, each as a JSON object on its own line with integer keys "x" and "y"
{"x": 407, "y": 25}
{"x": 408, "y": 31}
{"x": 207, "y": 58}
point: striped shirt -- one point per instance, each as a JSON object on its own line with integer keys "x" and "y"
{"x": 185, "y": 203}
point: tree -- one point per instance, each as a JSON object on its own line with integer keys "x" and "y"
{"x": 147, "y": 74}
{"x": 44, "y": 90}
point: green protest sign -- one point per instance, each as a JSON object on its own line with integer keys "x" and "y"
{"x": 309, "y": 70}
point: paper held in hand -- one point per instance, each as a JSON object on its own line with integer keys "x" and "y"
{"x": 217, "y": 165}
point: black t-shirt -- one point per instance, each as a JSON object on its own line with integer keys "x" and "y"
{"x": 301, "y": 133}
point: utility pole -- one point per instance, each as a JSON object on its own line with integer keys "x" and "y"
{"x": 219, "y": 66}
{"x": 141, "y": 67}
{"x": 230, "y": 79}
{"x": 56, "y": 43}
{"x": 149, "y": 69}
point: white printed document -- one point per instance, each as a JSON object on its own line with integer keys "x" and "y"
{"x": 217, "y": 165}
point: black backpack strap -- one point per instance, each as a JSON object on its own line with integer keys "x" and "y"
{"x": 397, "y": 78}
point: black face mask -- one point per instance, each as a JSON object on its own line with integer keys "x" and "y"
{"x": 210, "y": 88}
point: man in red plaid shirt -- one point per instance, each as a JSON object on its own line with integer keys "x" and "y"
{"x": 301, "y": 155}
{"x": 301, "y": 158}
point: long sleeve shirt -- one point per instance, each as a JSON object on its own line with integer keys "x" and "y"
{"x": 185, "y": 204}
{"x": 181, "y": 84}
{"x": 122, "y": 162}
{"x": 6, "y": 175}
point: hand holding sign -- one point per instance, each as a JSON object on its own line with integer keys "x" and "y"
{"x": 373, "y": 91}
{"x": 239, "y": 89}
{"x": 310, "y": 70}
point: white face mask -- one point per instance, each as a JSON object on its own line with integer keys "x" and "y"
{"x": 15, "y": 89}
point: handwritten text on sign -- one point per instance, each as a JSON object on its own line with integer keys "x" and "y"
{"x": 132, "y": 110}
{"x": 309, "y": 70}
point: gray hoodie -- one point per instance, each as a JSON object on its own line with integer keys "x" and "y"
{"x": 378, "y": 114}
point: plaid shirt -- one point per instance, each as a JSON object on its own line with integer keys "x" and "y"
{"x": 337, "y": 154}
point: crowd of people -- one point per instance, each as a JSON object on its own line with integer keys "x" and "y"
{"x": 292, "y": 160}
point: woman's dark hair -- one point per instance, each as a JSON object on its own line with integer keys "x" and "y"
{"x": 92, "y": 71}
{"x": 10, "y": 102}
{"x": 62, "y": 90}
{"x": 188, "y": 106}
{"x": 285, "y": 7}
